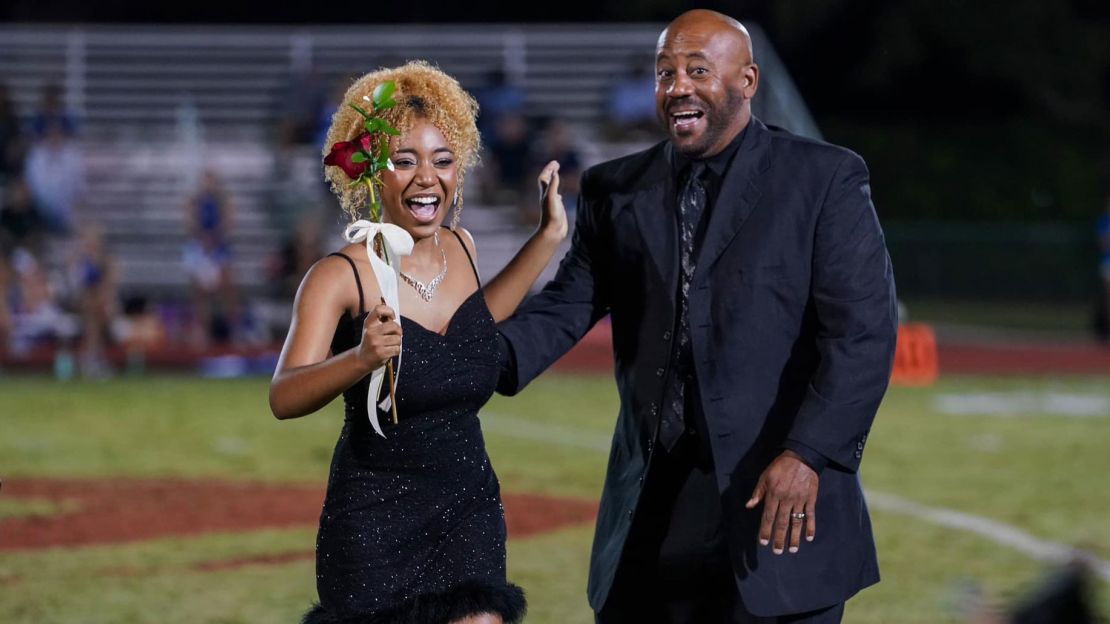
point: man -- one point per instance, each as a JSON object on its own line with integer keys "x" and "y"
{"x": 753, "y": 319}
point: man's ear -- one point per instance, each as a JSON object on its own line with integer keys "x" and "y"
{"x": 751, "y": 80}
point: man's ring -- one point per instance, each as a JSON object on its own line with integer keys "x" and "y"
{"x": 798, "y": 515}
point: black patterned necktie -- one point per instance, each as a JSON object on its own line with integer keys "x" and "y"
{"x": 691, "y": 206}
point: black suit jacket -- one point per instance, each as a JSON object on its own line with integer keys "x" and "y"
{"x": 792, "y": 325}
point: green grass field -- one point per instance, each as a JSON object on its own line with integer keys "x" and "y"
{"x": 1040, "y": 472}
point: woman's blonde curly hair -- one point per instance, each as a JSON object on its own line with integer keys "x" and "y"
{"x": 423, "y": 91}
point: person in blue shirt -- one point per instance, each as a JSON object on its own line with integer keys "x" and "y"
{"x": 52, "y": 112}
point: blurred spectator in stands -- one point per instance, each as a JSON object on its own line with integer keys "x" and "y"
{"x": 207, "y": 258}
{"x": 6, "y": 323}
{"x": 141, "y": 331}
{"x": 631, "y": 106}
{"x": 19, "y": 220}
{"x": 55, "y": 175}
{"x": 497, "y": 98}
{"x": 295, "y": 185}
{"x": 506, "y": 136}
{"x": 304, "y": 95}
{"x": 506, "y": 174}
{"x": 325, "y": 112}
{"x": 1102, "y": 228}
{"x": 558, "y": 142}
{"x": 52, "y": 115}
{"x": 94, "y": 277}
{"x": 298, "y": 252}
{"x": 12, "y": 146}
{"x": 37, "y": 318}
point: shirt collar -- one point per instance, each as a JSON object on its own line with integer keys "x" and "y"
{"x": 718, "y": 163}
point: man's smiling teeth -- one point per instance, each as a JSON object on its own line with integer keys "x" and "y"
{"x": 686, "y": 118}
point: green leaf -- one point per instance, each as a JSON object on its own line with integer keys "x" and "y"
{"x": 372, "y": 125}
{"x": 358, "y": 157}
{"x": 388, "y": 129}
{"x": 383, "y": 94}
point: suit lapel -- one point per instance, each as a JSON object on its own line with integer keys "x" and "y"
{"x": 740, "y": 191}
{"x": 654, "y": 208}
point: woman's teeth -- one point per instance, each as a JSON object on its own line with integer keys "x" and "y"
{"x": 423, "y": 208}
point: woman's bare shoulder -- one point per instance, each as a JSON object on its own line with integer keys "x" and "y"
{"x": 468, "y": 241}
{"x": 330, "y": 281}
{"x": 325, "y": 279}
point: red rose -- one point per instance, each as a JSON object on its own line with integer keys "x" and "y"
{"x": 341, "y": 155}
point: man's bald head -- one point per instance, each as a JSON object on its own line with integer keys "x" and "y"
{"x": 712, "y": 23}
{"x": 705, "y": 79}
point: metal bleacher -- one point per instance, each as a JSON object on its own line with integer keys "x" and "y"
{"x": 157, "y": 104}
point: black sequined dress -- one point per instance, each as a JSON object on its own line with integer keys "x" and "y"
{"x": 412, "y": 528}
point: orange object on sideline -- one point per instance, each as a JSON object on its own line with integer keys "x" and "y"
{"x": 915, "y": 357}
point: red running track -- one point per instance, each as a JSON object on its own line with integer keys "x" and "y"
{"x": 594, "y": 354}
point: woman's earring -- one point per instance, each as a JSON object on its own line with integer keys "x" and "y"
{"x": 458, "y": 209}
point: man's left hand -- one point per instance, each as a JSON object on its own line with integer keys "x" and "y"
{"x": 788, "y": 491}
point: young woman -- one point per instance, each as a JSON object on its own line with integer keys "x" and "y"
{"x": 412, "y": 528}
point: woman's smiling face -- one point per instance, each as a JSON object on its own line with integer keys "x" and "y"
{"x": 419, "y": 191}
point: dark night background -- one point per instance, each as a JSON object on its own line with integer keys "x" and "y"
{"x": 984, "y": 123}
{"x": 970, "y": 110}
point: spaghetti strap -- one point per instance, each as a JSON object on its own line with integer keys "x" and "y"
{"x": 467, "y": 252}
{"x": 361, "y": 301}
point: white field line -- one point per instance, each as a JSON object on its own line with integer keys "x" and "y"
{"x": 1015, "y": 538}
{"x": 1018, "y": 404}
{"x": 998, "y": 532}
{"x": 558, "y": 435}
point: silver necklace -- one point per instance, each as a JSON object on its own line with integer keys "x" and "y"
{"x": 427, "y": 291}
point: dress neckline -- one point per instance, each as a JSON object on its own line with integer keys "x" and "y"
{"x": 450, "y": 322}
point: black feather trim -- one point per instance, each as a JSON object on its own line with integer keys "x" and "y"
{"x": 465, "y": 599}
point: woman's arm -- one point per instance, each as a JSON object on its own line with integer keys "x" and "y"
{"x": 307, "y": 379}
{"x": 505, "y": 292}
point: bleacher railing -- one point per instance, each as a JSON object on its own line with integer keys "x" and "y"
{"x": 131, "y": 82}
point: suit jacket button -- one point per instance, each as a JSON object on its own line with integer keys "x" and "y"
{"x": 659, "y": 372}
{"x": 859, "y": 454}
{"x": 654, "y": 409}
{"x": 666, "y": 335}
{"x": 630, "y": 513}
{"x": 859, "y": 446}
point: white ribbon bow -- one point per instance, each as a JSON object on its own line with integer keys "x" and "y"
{"x": 398, "y": 243}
